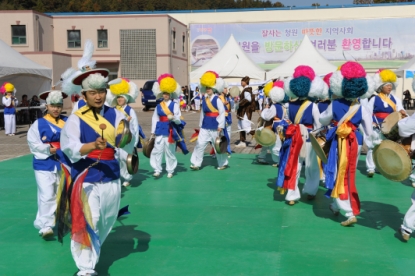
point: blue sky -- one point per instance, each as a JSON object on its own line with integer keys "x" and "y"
{"x": 299, "y": 3}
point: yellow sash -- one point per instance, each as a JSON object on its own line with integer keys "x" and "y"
{"x": 165, "y": 108}
{"x": 89, "y": 119}
{"x": 301, "y": 110}
{"x": 386, "y": 99}
{"x": 342, "y": 132}
{"x": 228, "y": 106}
{"x": 52, "y": 120}
{"x": 210, "y": 105}
{"x": 119, "y": 108}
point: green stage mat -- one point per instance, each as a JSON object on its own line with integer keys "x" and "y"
{"x": 212, "y": 222}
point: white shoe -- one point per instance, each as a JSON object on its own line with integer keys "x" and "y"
{"x": 169, "y": 175}
{"x": 370, "y": 173}
{"x": 47, "y": 233}
{"x": 241, "y": 145}
{"x": 413, "y": 184}
{"x": 193, "y": 167}
{"x": 156, "y": 174}
{"x": 126, "y": 184}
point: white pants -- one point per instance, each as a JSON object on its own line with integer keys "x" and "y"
{"x": 197, "y": 104}
{"x": 10, "y": 123}
{"x": 345, "y": 205}
{"x": 244, "y": 124}
{"x": 47, "y": 184}
{"x": 206, "y": 136}
{"x": 260, "y": 101}
{"x": 312, "y": 175}
{"x": 162, "y": 145}
{"x": 123, "y": 166}
{"x": 370, "y": 164}
{"x": 104, "y": 202}
{"x": 229, "y": 130}
{"x": 275, "y": 151}
{"x": 409, "y": 219}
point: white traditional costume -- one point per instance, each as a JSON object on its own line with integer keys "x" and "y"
{"x": 8, "y": 90}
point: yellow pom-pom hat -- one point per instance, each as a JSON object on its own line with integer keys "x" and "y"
{"x": 122, "y": 87}
{"x": 268, "y": 87}
{"x": 166, "y": 84}
{"x": 383, "y": 77}
{"x": 211, "y": 79}
{"x": 7, "y": 87}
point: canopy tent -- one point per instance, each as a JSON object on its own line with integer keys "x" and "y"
{"x": 27, "y": 76}
{"x": 406, "y": 73}
{"x": 230, "y": 62}
{"x": 306, "y": 54}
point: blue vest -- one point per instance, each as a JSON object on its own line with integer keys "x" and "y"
{"x": 228, "y": 118}
{"x": 81, "y": 103}
{"x": 210, "y": 122}
{"x": 162, "y": 128}
{"x": 50, "y": 163}
{"x": 378, "y": 106}
{"x": 105, "y": 170}
{"x": 9, "y": 110}
{"x": 340, "y": 108}
{"x": 322, "y": 106}
{"x": 307, "y": 118}
{"x": 261, "y": 95}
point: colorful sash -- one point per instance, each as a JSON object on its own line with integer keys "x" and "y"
{"x": 121, "y": 109}
{"x": 301, "y": 111}
{"x": 89, "y": 119}
{"x": 60, "y": 124}
{"x": 386, "y": 99}
{"x": 210, "y": 106}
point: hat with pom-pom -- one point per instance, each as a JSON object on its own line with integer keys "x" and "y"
{"x": 66, "y": 83}
{"x": 86, "y": 67}
{"x": 383, "y": 77}
{"x": 350, "y": 81}
{"x": 7, "y": 87}
{"x": 211, "y": 79}
{"x": 304, "y": 83}
{"x": 122, "y": 87}
{"x": 54, "y": 97}
{"x": 277, "y": 94}
{"x": 326, "y": 80}
{"x": 166, "y": 84}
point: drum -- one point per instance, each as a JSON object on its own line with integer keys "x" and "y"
{"x": 221, "y": 144}
{"x": 234, "y": 91}
{"x": 124, "y": 135}
{"x": 133, "y": 162}
{"x": 320, "y": 145}
{"x": 390, "y": 127}
{"x": 392, "y": 160}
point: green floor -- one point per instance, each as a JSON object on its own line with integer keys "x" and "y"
{"x": 216, "y": 223}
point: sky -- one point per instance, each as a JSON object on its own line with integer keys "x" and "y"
{"x": 299, "y": 3}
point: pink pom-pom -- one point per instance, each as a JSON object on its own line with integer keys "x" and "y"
{"x": 351, "y": 70}
{"x": 279, "y": 84}
{"x": 327, "y": 78}
{"x": 213, "y": 72}
{"x": 3, "y": 88}
{"x": 304, "y": 71}
{"x": 127, "y": 80}
{"x": 164, "y": 76}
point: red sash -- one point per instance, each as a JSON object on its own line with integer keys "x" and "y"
{"x": 105, "y": 154}
{"x": 381, "y": 115}
{"x": 164, "y": 119}
{"x": 212, "y": 114}
{"x": 56, "y": 145}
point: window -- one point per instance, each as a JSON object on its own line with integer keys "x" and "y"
{"x": 18, "y": 34}
{"x": 138, "y": 54}
{"x": 184, "y": 40}
{"x": 102, "y": 39}
{"x": 173, "y": 36}
{"x": 74, "y": 39}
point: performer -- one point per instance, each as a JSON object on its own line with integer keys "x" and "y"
{"x": 167, "y": 126}
{"x": 244, "y": 113}
{"x": 348, "y": 84}
{"x": 381, "y": 105}
{"x": 297, "y": 148}
{"x": 212, "y": 120}
{"x": 10, "y": 102}
{"x": 273, "y": 115}
{"x": 90, "y": 139}
{"x": 122, "y": 92}
{"x": 43, "y": 138}
{"x": 260, "y": 97}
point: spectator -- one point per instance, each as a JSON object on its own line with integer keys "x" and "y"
{"x": 406, "y": 99}
{"x": 35, "y": 113}
{"x": 24, "y": 113}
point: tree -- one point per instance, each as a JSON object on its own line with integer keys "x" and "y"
{"x": 315, "y": 5}
{"x": 278, "y": 5}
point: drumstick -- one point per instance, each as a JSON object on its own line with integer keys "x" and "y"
{"x": 102, "y": 127}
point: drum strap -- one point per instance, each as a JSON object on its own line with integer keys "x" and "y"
{"x": 386, "y": 99}
{"x": 301, "y": 110}
{"x": 89, "y": 119}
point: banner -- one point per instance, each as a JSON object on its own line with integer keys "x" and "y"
{"x": 387, "y": 42}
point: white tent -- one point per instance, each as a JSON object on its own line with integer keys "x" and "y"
{"x": 306, "y": 54}
{"x": 230, "y": 62}
{"x": 27, "y": 76}
{"x": 406, "y": 73}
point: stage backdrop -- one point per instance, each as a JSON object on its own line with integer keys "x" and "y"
{"x": 375, "y": 43}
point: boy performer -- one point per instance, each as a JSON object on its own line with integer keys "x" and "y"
{"x": 43, "y": 138}
{"x": 90, "y": 139}
{"x": 346, "y": 114}
{"x": 273, "y": 115}
{"x": 297, "y": 148}
{"x": 167, "y": 126}
{"x": 10, "y": 102}
{"x": 381, "y": 105}
{"x": 212, "y": 120}
{"x": 122, "y": 92}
